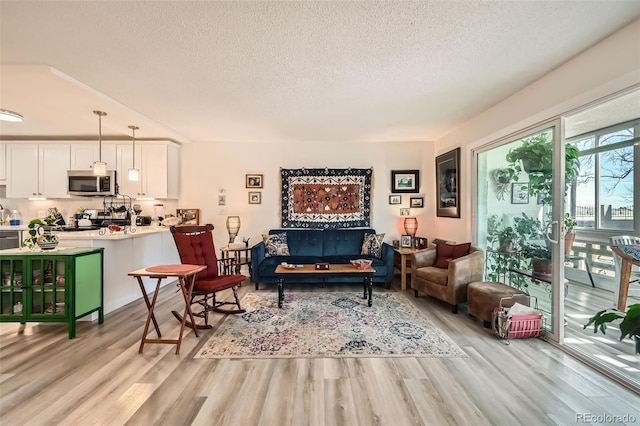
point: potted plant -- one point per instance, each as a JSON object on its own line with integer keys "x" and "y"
{"x": 502, "y": 178}
{"x": 629, "y": 326}
{"x": 40, "y": 234}
{"x": 569, "y": 236}
{"x": 536, "y": 156}
{"x": 540, "y": 257}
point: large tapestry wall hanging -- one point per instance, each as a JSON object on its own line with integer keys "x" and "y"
{"x": 326, "y": 198}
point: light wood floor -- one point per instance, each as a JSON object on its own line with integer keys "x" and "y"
{"x": 99, "y": 378}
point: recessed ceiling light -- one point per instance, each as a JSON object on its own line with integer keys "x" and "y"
{"x": 7, "y": 115}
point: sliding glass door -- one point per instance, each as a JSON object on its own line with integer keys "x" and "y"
{"x": 519, "y": 211}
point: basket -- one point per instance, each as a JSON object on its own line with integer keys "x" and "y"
{"x": 516, "y": 326}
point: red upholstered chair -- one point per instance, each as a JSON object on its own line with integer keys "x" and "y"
{"x": 195, "y": 246}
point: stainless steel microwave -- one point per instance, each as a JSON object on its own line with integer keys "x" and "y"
{"x": 85, "y": 183}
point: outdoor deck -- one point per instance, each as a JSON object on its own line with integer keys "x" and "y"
{"x": 581, "y": 302}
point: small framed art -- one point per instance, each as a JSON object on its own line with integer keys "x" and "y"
{"x": 421, "y": 242}
{"x": 406, "y": 181}
{"x": 405, "y": 241}
{"x": 255, "y": 197}
{"x": 189, "y": 216}
{"x": 520, "y": 193}
{"x": 395, "y": 199}
{"x": 253, "y": 181}
{"x": 405, "y": 212}
{"x": 416, "y": 202}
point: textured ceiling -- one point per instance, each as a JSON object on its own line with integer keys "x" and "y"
{"x": 282, "y": 71}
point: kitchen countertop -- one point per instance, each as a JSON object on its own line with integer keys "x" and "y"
{"x": 14, "y": 228}
{"x": 120, "y": 235}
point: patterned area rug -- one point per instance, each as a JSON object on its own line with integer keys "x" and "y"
{"x": 327, "y": 325}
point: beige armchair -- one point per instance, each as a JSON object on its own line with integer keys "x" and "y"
{"x": 447, "y": 284}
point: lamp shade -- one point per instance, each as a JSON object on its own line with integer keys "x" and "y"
{"x": 411, "y": 226}
{"x": 233, "y": 226}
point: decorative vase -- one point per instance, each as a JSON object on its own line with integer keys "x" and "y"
{"x": 46, "y": 240}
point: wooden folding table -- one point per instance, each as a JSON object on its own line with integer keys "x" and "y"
{"x": 186, "y": 275}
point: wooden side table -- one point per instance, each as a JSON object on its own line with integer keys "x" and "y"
{"x": 402, "y": 259}
{"x": 241, "y": 255}
{"x": 186, "y": 275}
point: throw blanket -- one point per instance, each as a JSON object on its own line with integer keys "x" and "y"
{"x": 326, "y": 198}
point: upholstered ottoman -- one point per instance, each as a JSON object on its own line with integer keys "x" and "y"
{"x": 484, "y": 296}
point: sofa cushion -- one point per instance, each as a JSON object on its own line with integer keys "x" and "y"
{"x": 372, "y": 245}
{"x": 276, "y": 245}
{"x": 339, "y": 242}
{"x": 447, "y": 252}
{"x": 302, "y": 242}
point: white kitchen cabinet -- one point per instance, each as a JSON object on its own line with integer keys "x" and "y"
{"x": 37, "y": 170}
{"x": 3, "y": 164}
{"x": 159, "y": 170}
{"x": 85, "y": 153}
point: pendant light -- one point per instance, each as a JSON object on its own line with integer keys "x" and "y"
{"x": 99, "y": 167}
{"x": 134, "y": 174}
{"x": 6, "y": 115}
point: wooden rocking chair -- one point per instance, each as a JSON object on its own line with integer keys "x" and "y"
{"x": 195, "y": 246}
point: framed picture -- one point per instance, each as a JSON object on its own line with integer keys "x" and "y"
{"x": 406, "y": 181}
{"x": 253, "y": 181}
{"x": 405, "y": 241}
{"x": 520, "y": 193}
{"x": 222, "y": 200}
{"x": 189, "y": 216}
{"x": 421, "y": 243}
{"x": 405, "y": 212}
{"x": 447, "y": 184}
{"x": 416, "y": 202}
{"x": 395, "y": 199}
{"x": 255, "y": 197}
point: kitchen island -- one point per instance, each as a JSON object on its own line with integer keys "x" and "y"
{"x": 123, "y": 253}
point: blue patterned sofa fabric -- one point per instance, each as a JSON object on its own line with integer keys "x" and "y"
{"x": 308, "y": 246}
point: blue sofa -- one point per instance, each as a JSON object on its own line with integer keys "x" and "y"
{"x": 307, "y": 246}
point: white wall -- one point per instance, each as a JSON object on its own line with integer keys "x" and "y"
{"x": 608, "y": 67}
{"x": 210, "y": 168}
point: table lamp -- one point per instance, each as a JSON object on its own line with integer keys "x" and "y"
{"x": 411, "y": 226}
{"x": 233, "y": 226}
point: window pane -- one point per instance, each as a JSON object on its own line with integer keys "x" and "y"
{"x": 585, "y": 193}
{"x": 615, "y": 137}
{"x": 616, "y": 188}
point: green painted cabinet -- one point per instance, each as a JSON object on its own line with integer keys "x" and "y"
{"x": 56, "y": 286}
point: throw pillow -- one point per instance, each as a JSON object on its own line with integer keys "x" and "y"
{"x": 372, "y": 245}
{"x": 276, "y": 245}
{"x": 445, "y": 253}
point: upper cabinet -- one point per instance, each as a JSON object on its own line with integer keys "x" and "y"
{"x": 37, "y": 170}
{"x": 159, "y": 170}
{"x": 3, "y": 163}
{"x": 84, "y": 154}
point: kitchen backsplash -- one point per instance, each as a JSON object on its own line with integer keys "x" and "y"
{"x": 33, "y": 209}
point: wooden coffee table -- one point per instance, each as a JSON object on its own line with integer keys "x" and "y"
{"x": 335, "y": 270}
